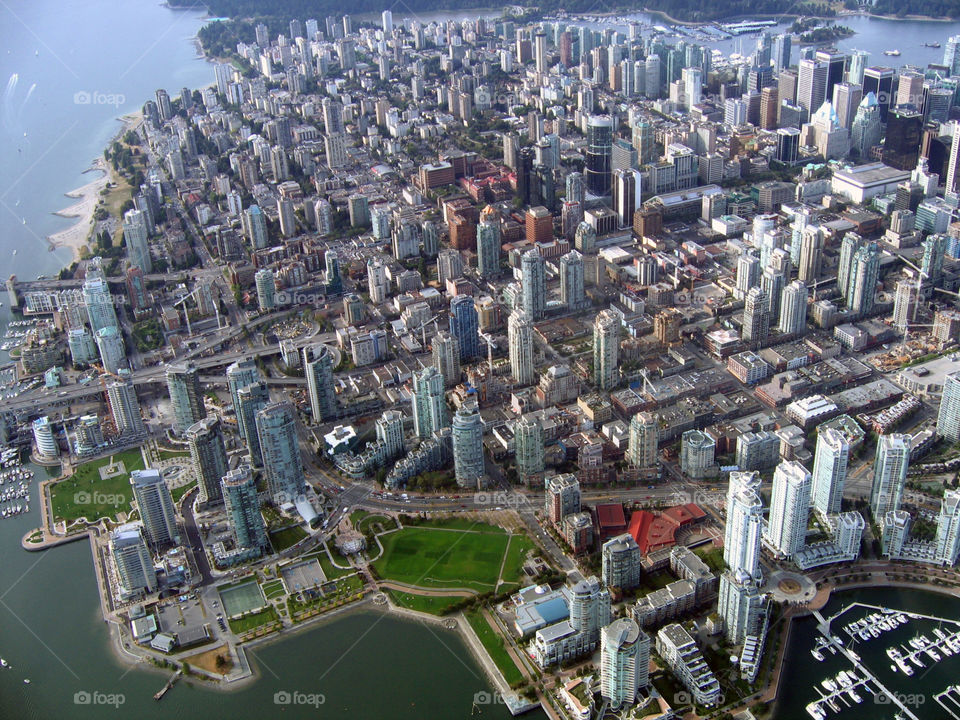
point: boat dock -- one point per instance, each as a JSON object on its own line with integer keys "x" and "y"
{"x": 949, "y": 700}
{"x": 170, "y": 683}
{"x": 865, "y": 677}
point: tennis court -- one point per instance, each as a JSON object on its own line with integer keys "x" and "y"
{"x": 241, "y": 598}
{"x": 303, "y": 575}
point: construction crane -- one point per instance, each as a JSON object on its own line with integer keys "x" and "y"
{"x": 192, "y": 294}
{"x": 489, "y": 341}
{"x": 422, "y": 328}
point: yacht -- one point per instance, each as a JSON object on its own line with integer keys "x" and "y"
{"x": 817, "y": 655}
{"x": 815, "y": 711}
{"x": 892, "y": 53}
{"x": 829, "y": 684}
{"x": 854, "y": 695}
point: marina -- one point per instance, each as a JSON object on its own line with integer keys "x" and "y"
{"x": 838, "y": 693}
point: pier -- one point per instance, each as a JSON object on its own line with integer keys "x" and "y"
{"x": 952, "y": 696}
{"x": 823, "y": 625}
{"x": 170, "y": 683}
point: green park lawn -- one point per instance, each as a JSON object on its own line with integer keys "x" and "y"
{"x": 287, "y": 537}
{"x": 254, "y": 620}
{"x": 85, "y": 494}
{"x": 423, "y": 603}
{"x": 493, "y": 644}
{"x": 428, "y": 556}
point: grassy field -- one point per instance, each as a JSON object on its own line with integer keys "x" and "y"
{"x": 517, "y": 551}
{"x": 287, "y": 537}
{"x": 179, "y": 492}
{"x": 84, "y": 494}
{"x": 368, "y": 522}
{"x": 430, "y": 557}
{"x": 493, "y": 643}
{"x": 332, "y": 572}
{"x": 422, "y": 603}
{"x": 273, "y": 589}
{"x": 255, "y": 620}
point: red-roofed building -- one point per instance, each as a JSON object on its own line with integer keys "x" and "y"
{"x": 657, "y": 531}
{"x": 610, "y": 519}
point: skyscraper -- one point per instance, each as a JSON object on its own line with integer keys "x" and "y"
{"x": 846, "y": 100}
{"x": 282, "y": 464}
{"x": 571, "y": 280}
{"x": 239, "y": 491}
{"x": 793, "y": 309}
{"x": 156, "y": 507}
{"x": 467, "y": 436}
{"x": 318, "y": 368}
{"x": 209, "y": 456}
{"x": 643, "y": 441}
{"x": 446, "y": 357}
{"x": 464, "y": 326}
{"x": 488, "y": 244}
{"x": 948, "y": 418}
{"x": 239, "y": 375}
{"x": 786, "y": 529}
{"x": 889, "y": 474}
{"x": 266, "y": 289}
{"x": 533, "y": 284}
{"x": 99, "y": 303}
{"x": 599, "y": 152}
{"x": 756, "y": 316}
{"x": 864, "y": 275}
{"x": 748, "y": 274}
{"x": 879, "y": 81}
{"x": 624, "y": 662}
{"x": 183, "y": 385}
{"x": 606, "y": 350}
{"x": 520, "y": 345}
{"x": 811, "y": 251}
{"x": 901, "y": 146}
{"x": 812, "y": 85}
{"x": 866, "y": 130}
{"x": 428, "y": 402}
{"x": 136, "y": 234}
{"x": 255, "y": 227}
{"x": 741, "y": 604}
{"x": 251, "y": 399}
{"x": 624, "y": 195}
{"x": 125, "y": 408}
{"x": 829, "y": 471}
{"x": 529, "y": 448}
{"x": 134, "y": 565}
{"x": 835, "y": 61}
{"x": 948, "y": 528}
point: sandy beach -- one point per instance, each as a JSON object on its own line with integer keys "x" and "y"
{"x": 75, "y": 236}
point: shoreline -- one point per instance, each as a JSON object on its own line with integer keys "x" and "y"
{"x": 77, "y": 236}
{"x": 785, "y": 16}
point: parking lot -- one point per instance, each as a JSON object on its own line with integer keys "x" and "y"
{"x": 175, "y": 616}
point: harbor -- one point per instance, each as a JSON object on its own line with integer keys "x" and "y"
{"x": 875, "y": 645}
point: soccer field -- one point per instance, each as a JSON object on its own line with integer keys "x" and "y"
{"x": 433, "y": 557}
